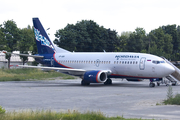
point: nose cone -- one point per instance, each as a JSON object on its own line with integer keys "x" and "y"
{"x": 169, "y": 69}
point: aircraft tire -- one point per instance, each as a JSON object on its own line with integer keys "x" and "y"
{"x": 108, "y": 82}
{"x": 151, "y": 84}
{"x": 83, "y": 83}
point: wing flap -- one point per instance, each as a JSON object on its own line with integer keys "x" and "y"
{"x": 54, "y": 68}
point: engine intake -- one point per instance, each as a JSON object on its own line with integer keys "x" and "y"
{"x": 95, "y": 76}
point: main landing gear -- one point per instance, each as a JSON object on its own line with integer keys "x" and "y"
{"x": 83, "y": 83}
{"x": 108, "y": 82}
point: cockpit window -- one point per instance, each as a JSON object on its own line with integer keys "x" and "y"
{"x": 162, "y": 61}
{"x": 157, "y": 62}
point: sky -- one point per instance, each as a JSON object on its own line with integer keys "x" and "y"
{"x": 118, "y": 15}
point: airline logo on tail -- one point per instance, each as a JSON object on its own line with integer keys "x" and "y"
{"x": 44, "y": 41}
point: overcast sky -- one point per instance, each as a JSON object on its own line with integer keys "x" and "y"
{"x": 119, "y": 15}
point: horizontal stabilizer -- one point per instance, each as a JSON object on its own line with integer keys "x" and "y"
{"x": 27, "y": 55}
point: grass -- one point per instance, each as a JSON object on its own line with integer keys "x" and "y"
{"x": 171, "y": 99}
{"x": 52, "y": 115}
{"x": 29, "y": 74}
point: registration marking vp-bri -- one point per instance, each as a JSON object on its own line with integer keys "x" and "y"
{"x": 126, "y": 57}
{"x": 61, "y": 56}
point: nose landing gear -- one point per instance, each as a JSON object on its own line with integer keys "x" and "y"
{"x": 151, "y": 84}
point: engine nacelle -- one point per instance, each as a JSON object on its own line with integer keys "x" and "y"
{"x": 134, "y": 80}
{"x": 95, "y": 76}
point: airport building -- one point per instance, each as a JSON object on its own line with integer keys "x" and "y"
{"x": 15, "y": 60}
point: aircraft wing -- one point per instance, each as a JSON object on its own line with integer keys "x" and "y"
{"x": 27, "y": 55}
{"x": 53, "y": 68}
{"x": 70, "y": 71}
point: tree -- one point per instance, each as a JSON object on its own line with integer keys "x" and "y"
{"x": 161, "y": 43}
{"x": 12, "y": 36}
{"x": 171, "y": 30}
{"x": 2, "y": 38}
{"x": 86, "y": 36}
{"x": 123, "y": 41}
{"x": 135, "y": 42}
{"x": 26, "y": 42}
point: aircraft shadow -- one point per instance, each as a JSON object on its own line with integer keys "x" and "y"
{"x": 78, "y": 84}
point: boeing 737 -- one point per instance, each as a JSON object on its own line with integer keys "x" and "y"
{"x": 98, "y": 67}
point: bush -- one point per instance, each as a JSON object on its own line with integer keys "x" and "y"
{"x": 169, "y": 93}
{"x": 173, "y": 101}
{"x": 2, "y": 110}
{"x": 170, "y": 99}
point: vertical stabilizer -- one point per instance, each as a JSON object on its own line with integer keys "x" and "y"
{"x": 44, "y": 44}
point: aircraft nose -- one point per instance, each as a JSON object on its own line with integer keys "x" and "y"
{"x": 169, "y": 69}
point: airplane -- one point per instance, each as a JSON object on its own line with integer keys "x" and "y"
{"x": 97, "y": 67}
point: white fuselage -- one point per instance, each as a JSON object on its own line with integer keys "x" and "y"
{"x": 127, "y": 64}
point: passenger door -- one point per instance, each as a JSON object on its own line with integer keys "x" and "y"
{"x": 142, "y": 63}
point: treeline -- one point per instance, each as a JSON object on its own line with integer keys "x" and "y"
{"x": 88, "y": 36}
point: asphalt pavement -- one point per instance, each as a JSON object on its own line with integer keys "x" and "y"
{"x": 122, "y": 98}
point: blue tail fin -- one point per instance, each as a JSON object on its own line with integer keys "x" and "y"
{"x": 43, "y": 42}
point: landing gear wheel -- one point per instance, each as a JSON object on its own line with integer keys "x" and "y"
{"x": 83, "y": 83}
{"x": 158, "y": 84}
{"x": 151, "y": 84}
{"x": 108, "y": 82}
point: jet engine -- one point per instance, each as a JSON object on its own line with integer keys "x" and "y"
{"x": 95, "y": 76}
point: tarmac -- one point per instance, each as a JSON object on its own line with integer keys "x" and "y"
{"x": 122, "y": 98}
